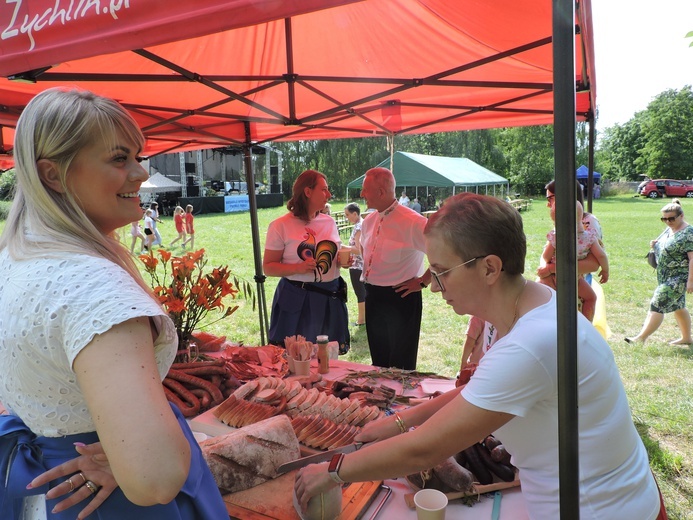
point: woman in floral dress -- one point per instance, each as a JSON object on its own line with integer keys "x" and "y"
{"x": 674, "y": 250}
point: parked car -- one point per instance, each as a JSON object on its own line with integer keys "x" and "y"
{"x": 667, "y": 188}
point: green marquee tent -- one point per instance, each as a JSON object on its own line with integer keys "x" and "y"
{"x": 417, "y": 170}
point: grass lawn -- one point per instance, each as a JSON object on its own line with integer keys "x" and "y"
{"x": 658, "y": 377}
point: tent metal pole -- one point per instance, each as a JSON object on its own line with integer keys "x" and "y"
{"x": 257, "y": 254}
{"x": 590, "y": 163}
{"x": 566, "y": 259}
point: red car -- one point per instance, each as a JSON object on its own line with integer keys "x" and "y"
{"x": 667, "y": 188}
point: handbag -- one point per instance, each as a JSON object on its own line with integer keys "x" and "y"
{"x": 652, "y": 259}
{"x": 652, "y": 256}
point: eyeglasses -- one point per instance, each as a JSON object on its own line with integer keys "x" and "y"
{"x": 549, "y": 199}
{"x": 669, "y": 219}
{"x": 437, "y": 276}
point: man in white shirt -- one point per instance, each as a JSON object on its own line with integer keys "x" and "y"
{"x": 393, "y": 249}
{"x": 404, "y": 200}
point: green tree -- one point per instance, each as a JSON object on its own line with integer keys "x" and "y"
{"x": 7, "y": 184}
{"x": 668, "y": 129}
{"x": 529, "y": 155}
{"x": 657, "y": 141}
{"x": 620, "y": 149}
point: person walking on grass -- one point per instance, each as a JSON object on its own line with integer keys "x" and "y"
{"x": 674, "y": 250}
{"x": 135, "y": 233}
{"x": 148, "y": 231}
{"x": 189, "y": 227}
{"x": 154, "y": 206}
{"x": 179, "y": 222}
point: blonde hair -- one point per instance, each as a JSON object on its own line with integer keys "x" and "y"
{"x": 56, "y": 125}
{"x": 673, "y": 207}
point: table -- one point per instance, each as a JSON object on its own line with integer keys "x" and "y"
{"x": 512, "y": 504}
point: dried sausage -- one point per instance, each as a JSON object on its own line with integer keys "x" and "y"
{"x": 502, "y": 471}
{"x": 454, "y": 475}
{"x": 482, "y": 474}
{"x": 500, "y": 454}
{"x": 213, "y": 390}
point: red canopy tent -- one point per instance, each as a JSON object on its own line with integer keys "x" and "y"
{"x": 214, "y": 73}
{"x": 376, "y": 67}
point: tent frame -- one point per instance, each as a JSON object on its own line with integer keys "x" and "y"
{"x": 327, "y": 118}
{"x": 565, "y": 87}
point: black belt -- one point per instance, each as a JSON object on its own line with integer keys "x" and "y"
{"x": 310, "y": 287}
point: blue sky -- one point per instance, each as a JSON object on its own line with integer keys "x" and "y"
{"x": 640, "y": 51}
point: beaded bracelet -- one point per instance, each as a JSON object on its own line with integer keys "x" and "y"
{"x": 400, "y": 423}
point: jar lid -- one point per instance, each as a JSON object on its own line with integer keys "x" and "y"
{"x": 323, "y": 338}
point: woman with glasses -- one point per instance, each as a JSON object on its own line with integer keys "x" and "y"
{"x": 476, "y": 249}
{"x": 674, "y": 251}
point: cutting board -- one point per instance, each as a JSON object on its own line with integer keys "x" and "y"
{"x": 273, "y": 500}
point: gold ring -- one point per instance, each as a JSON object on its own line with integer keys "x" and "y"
{"x": 91, "y": 486}
{"x": 72, "y": 486}
{"x": 83, "y": 477}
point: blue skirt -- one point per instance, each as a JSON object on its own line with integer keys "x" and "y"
{"x": 23, "y": 456}
{"x": 308, "y": 313}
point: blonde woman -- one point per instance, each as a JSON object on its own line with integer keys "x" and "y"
{"x": 179, "y": 222}
{"x": 82, "y": 339}
{"x": 674, "y": 250}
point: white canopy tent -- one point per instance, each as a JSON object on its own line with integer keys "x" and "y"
{"x": 159, "y": 183}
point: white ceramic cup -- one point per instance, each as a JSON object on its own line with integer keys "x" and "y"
{"x": 430, "y": 504}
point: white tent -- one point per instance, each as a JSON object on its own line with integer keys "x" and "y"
{"x": 158, "y": 183}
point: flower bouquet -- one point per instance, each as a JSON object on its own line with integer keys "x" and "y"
{"x": 189, "y": 293}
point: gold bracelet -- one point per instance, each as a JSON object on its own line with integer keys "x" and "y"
{"x": 400, "y": 423}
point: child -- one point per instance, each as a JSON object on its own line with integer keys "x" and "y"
{"x": 136, "y": 232}
{"x": 189, "y": 226}
{"x": 179, "y": 222}
{"x": 148, "y": 230}
{"x": 587, "y": 242}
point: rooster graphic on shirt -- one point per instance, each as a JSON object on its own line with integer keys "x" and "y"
{"x": 323, "y": 252}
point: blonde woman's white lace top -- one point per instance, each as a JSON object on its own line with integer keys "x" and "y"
{"x": 50, "y": 309}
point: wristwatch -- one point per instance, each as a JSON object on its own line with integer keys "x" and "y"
{"x": 422, "y": 284}
{"x": 333, "y": 468}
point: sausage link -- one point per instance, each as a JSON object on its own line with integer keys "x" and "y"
{"x": 213, "y": 390}
{"x": 190, "y": 409}
{"x": 502, "y": 471}
{"x": 477, "y": 467}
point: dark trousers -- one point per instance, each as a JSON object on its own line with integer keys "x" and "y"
{"x": 393, "y": 324}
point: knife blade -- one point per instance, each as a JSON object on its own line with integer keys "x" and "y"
{"x": 318, "y": 457}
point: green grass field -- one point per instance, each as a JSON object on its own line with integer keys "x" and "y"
{"x": 658, "y": 377}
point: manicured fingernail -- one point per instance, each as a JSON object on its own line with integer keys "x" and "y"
{"x": 29, "y": 486}
{"x": 79, "y": 444}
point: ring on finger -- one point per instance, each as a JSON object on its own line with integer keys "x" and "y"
{"x": 91, "y": 486}
{"x": 84, "y": 479}
{"x": 72, "y": 485}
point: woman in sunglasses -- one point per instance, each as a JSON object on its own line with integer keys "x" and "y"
{"x": 476, "y": 249}
{"x": 674, "y": 251}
